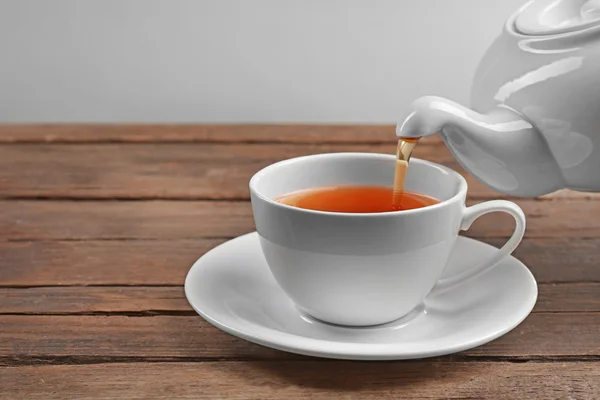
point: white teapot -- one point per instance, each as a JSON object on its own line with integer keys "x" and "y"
{"x": 534, "y": 125}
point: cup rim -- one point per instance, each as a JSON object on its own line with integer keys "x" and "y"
{"x": 462, "y": 189}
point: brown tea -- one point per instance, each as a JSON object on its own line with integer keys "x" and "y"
{"x": 356, "y": 199}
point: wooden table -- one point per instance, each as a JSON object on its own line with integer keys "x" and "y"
{"x": 100, "y": 224}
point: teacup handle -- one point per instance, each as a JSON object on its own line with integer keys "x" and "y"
{"x": 470, "y": 214}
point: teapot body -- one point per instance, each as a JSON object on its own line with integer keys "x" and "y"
{"x": 553, "y": 81}
{"x": 534, "y": 122}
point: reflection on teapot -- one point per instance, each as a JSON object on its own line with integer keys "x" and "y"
{"x": 534, "y": 125}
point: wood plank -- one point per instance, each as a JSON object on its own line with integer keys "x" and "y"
{"x": 86, "y": 300}
{"x": 76, "y": 220}
{"x": 131, "y": 262}
{"x": 173, "y": 171}
{"x": 134, "y": 220}
{"x": 559, "y": 260}
{"x": 168, "y": 171}
{"x": 106, "y": 337}
{"x": 577, "y": 297}
{"x": 254, "y": 133}
{"x": 306, "y": 380}
{"x": 166, "y": 262}
{"x": 27, "y": 338}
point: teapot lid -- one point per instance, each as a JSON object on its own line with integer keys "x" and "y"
{"x": 547, "y": 17}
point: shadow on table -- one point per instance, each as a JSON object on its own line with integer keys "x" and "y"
{"x": 377, "y": 376}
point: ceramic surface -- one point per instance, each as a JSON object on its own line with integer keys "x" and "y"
{"x": 232, "y": 288}
{"x": 365, "y": 269}
{"x": 533, "y": 126}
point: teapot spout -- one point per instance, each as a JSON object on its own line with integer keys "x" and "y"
{"x": 500, "y": 148}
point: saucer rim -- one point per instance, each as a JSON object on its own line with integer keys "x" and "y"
{"x": 302, "y": 345}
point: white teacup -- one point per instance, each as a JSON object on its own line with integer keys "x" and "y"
{"x": 366, "y": 269}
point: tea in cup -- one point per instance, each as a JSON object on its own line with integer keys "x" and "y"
{"x": 362, "y": 262}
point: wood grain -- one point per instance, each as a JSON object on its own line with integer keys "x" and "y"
{"x": 27, "y": 338}
{"x": 559, "y": 259}
{"x": 174, "y": 171}
{"x": 579, "y": 297}
{"x": 166, "y": 262}
{"x": 98, "y": 133}
{"x": 104, "y": 262}
{"x": 90, "y": 212}
{"x": 306, "y": 380}
{"x": 75, "y": 220}
{"x": 123, "y": 220}
{"x": 576, "y": 297}
{"x": 149, "y": 171}
{"x": 86, "y": 300}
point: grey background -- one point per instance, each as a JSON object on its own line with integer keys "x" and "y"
{"x": 237, "y": 61}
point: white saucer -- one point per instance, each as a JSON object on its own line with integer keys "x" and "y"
{"x": 232, "y": 288}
